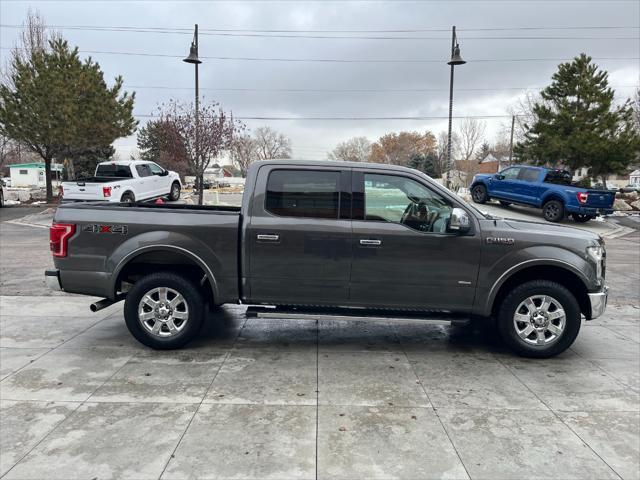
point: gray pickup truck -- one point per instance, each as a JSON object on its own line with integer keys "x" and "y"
{"x": 334, "y": 239}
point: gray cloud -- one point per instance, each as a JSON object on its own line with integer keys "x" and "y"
{"x": 311, "y": 139}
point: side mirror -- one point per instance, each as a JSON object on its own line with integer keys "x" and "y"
{"x": 164, "y": 173}
{"x": 459, "y": 221}
{"x": 497, "y": 176}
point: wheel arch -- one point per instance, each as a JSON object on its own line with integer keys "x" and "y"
{"x": 557, "y": 271}
{"x": 156, "y": 258}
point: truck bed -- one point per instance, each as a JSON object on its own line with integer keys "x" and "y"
{"x": 110, "y": 235}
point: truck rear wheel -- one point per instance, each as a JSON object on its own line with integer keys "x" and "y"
{"x": 539, "y": 319}
{"x": 553, "y": 211}
{"x": 164, "y": 310}
{"x": 479, "y": 194}
{"x": 580, "y": 218}
{"x": 128, "y": 197}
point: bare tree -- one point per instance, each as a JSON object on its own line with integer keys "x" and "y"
{"x": 243, "y": 152}
{"x": 203, "y": 137}
{"x": 356, "y": 149}
{"x": 270, "y": 144}
{"x": 636, "y": 108}
{"x": 471, "y": 134}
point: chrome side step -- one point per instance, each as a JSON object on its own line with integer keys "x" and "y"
{"x": 287, "y": 313}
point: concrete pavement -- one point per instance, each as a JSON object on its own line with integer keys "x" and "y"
{"x": 269, "y": 398}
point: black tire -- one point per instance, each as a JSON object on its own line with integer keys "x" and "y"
{"x": 479, "y": 194}
{"x": 193, "y": 304}
{"x": 553, "y": 211}
{"x": 508, "y": 328}
{"x": 1, "y": 199}
{"x": 174, "y": 194}
{"x": 505, "y": 204}
{"x": 128, "y": 197}
{"x": 581, "y": 218}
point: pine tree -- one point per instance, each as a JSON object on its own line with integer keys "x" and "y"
{"x": 577, "y": 125}
{"x": 60, "y": 106}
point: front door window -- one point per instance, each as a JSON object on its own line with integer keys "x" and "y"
{"x": 396, "y": 199}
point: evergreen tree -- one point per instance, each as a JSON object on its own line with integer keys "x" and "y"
{"x": 577, "y": 125}
{"x": 59, "y": 105}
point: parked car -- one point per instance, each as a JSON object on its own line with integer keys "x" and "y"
{"x": 630, "y": 188}
{"x": 332, "y": 238}
{"x": 548, "y": 189}
{"x": 124, "y": 181}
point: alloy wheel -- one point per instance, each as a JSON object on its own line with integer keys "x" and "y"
{"x": 163, "y": 312}
{"x": 539, "y": 320}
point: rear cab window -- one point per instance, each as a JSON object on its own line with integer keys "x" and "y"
{"x": 114, "y": 171}
{"x": 558, "y": 177}
{"x": 303, "y": 193}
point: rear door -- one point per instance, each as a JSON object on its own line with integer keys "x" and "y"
{"x": 299, "y": 236}
{"x": 403, "y": 256}
{"x": 144, "y": 185}
{"x": 527, "y": 187}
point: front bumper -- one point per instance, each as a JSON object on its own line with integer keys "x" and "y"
{"x": 52, "y": 279}
{"x": 598, "y": 302}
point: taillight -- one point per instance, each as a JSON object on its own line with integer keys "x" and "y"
{"x": 106, "y": 191}
{"x": 582, "y": 197}
{"x": 59, "y": 234}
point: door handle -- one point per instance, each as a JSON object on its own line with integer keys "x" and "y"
{"x": 370, "y": 242}
{"x": 268, "y": 237}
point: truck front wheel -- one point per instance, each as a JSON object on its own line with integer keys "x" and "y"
{"x": 539, "y": 319}
{"x": 174, "y": 194}
{"x": 479, "y": 194}
{"x": 164, "y": 310}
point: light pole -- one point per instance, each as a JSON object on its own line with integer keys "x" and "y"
{"x": 193, "y": 58}
{"x": 456, "y": 59}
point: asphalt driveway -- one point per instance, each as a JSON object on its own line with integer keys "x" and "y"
{"x": 257, "y": 398}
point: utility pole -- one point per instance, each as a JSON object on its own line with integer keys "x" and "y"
{"x": 513, "y": 125}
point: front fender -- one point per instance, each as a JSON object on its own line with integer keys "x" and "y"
{"x": 160, "y": 240}
{"x": 542, "y": 255}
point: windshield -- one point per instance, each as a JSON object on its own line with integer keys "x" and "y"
{"x": 113, "y": 170}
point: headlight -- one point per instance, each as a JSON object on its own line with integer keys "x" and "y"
{"x": 596, "y": 253}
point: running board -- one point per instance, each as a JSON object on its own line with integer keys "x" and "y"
{"x": 297, "y": 313}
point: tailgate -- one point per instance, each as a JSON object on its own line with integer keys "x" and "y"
{"x": 82, "y": 191}
{"x": 600, "y": 198}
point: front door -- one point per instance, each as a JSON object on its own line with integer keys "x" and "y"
{"x": 144, "y": 186}
{"x": 299, "y": 237}
{"x": 503, "y": 185}
{"x": 403, "y": 256}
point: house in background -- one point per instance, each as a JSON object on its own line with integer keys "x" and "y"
{"x": 32, "y": 174}
{"x": 634, "y": 178}
{"x": 491, "y": 164}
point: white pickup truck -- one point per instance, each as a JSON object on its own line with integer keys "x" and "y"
{"x": 124, "y": 181}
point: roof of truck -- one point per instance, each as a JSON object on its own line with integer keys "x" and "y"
{"x": 335, "y": 163}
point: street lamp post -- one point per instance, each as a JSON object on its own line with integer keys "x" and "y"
{"x": 456, "y": 59}
{"x": 193, "y": 59}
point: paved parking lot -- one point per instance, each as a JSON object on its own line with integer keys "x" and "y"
{"x": 257, "y": 398}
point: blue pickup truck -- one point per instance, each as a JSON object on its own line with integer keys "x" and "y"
{"x": 549, "y": 189}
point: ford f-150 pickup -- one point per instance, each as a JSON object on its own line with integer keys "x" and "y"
{"x": 332, "y": 238}
{"x": 124, "y": 181}
{"x": 548, "y": 189}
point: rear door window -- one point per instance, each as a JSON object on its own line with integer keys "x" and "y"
{"x": 114, "y": 170}
{"x": 303, "y": 193}
{"x": 143, "y": 170}
{"x": 529, "y": 174}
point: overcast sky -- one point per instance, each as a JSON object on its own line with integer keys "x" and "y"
{"x": 325, "y": 89}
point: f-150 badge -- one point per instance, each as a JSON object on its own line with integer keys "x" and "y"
{"x": 96, "y": 228}
{"x": 500, "y": 241}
